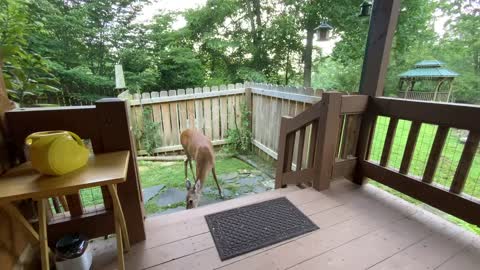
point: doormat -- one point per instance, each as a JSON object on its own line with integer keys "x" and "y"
{"x": 241, "y": 230}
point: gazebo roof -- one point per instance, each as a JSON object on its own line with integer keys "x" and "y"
{"x": 429, "y": 69}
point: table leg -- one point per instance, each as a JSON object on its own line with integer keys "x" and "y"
{"x": 13, "y": 212}
{"x": 118, "y": 232}
{"x": 42, "y": 228}
{"x": 120, "y": 217}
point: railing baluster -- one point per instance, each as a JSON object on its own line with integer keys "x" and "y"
{"x": 465, "y": 163}
{"x": 75, "y": 205}
{"x": 435, "y": 154}
{"x": 313, "y": 141}
{"x": 387, "y": 147}
{"x": 340, "y": 133}
{"x": 301, "y": 143}
{"x": 289, "y": 152}
{"x": 410, "y": 147}
{"x": 282, "y": 150}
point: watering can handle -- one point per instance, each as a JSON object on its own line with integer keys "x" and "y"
{"x": 32, "y": 137}
{"x": 76, "y": 138}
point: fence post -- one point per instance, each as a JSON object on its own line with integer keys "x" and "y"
{"x": 327, "y": 136}
{"x": 249, "y": 103}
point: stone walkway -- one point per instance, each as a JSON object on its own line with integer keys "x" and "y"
{"x": 235, "y": 184}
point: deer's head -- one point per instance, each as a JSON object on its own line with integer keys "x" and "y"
{"x": 193, "y": 193}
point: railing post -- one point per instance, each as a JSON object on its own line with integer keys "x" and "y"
{"x": 114, "y": 130}
{"x": 327, "y": 136}
{"x": 282, "y": 153}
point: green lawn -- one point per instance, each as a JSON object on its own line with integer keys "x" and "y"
{"x": 172, "y": 175}
{"x": 450, "y": 157}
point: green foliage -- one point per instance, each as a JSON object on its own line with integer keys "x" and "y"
{"x": 148, "y": 135}
{"x": 239, "y": 139}
{"x": 26, "y": 72}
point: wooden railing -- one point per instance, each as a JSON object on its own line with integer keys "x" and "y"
{"x": 334, "y": 125}
{"x": 426, "y": 96}
{"x": 342, "y": 139}
{"x": 450, "y": 199}
{"x": 106, "y": 125}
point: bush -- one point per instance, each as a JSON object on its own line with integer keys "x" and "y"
{"x": 148, "y": 135}
{"x": 239, "y": 140}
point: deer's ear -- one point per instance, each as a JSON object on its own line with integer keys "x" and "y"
{"x": 188, "y": 184}
{"x": 198, "y": 185}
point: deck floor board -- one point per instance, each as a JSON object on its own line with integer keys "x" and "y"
{"x": 360, "y": 228}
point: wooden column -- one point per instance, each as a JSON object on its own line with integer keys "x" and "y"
{"x": 114, "y": 127}
{"x": 383, "y": 23}
{"x": 325, "y": 147}
{"x": 379, "y": 42}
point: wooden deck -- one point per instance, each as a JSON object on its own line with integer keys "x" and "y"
{"x": 360, "y": 228}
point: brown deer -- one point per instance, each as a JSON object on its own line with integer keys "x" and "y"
{"x": 198, "y": 147}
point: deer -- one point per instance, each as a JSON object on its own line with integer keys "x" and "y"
{"x": 198, "y": 147}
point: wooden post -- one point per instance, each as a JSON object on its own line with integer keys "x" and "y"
{"x": 380, "y": 35}
{"x": 327, "y": 136}
{"x": 249, "y": 103}
{"x": 377, "y": 53}
{"x": 114, "y": 127}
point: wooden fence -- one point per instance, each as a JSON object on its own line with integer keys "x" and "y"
{"x": 214, "y": 110}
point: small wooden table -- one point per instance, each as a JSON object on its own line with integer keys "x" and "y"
{"x": 23, "y": 182}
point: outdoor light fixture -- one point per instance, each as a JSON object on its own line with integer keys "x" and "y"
{"x": 365, "y": 9}
{"x": 323, "y": 31}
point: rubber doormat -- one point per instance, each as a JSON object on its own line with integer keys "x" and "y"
{"x": 241, "y": 230}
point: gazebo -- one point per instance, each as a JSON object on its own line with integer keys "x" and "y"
{"x": 429, "y": 80}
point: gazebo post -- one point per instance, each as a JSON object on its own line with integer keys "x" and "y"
{"x": 449, "y": 90}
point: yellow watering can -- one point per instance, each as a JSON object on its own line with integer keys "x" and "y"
{"x": 56, "y": 152}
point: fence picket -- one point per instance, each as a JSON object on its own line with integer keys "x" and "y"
{"x": 199, "y": 111}
{"x": 223, "y": 113}
{"x": 182, "y": 111}
{"x": 207, "y": 113}
{"x": 190, "y": 110}
{"x": 167, "y": 128}
{"x": 216, "y": 115}
{"x": 174, "y": 119}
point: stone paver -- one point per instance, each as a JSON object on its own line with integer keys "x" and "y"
{"x": 171, "y": 196}
{"x": 235, "y": 184}
{"x": 150, "y": 192}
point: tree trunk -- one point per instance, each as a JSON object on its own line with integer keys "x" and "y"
{"x": 307, "y": 68}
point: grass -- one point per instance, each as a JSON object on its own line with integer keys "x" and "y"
{"x": 172, "y": 174}
{"x": 449, "y": 160}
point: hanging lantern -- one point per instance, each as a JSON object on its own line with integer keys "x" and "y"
{"x": 365, "y": 9}
{"x": 323, "y": 31}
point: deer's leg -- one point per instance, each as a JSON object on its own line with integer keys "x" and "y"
{"x": 191, "y": 168}
{"x": 216, "y": 181}
{"x": 186, "y": 168}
